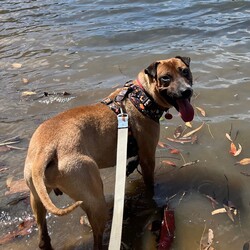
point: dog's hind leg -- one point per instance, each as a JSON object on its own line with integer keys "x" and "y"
{"x": 40, "y": 216}
{"x": 97, "y": 216}
{"x": 82, "y": 181}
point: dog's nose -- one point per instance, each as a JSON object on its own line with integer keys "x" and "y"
{"x": 187, "y": 93}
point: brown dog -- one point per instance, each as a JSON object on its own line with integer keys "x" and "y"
{"x": 66, "y": 151}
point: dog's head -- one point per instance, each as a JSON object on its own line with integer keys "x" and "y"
{"x": 170, "y": 83}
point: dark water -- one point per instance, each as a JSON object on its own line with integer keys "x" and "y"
{"x": 87, "y": 47}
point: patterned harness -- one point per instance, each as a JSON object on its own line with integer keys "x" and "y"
{"x": 140, "y": 99}
{"x": 145, "y": 104}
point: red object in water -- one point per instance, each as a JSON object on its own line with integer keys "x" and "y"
{"x": 167, "y": 230}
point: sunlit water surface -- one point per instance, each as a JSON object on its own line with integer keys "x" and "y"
{"x": 86, "y": 48}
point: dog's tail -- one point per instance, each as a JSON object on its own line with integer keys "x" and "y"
{"x": 38, "y": 176}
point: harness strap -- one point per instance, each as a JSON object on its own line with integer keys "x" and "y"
{"x": 139, "y": 98}
{"x": 116, "y": 103}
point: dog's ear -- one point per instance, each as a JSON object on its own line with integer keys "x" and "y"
{"x": 151, "y": 70}
{"x": 184, "y": 59}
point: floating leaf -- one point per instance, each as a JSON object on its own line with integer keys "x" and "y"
{"x": 180, "y": 140}
{"x": 230, "y": 212}
{"x": 174, "y": 151}
{"x": 64, "y": 93}
{"x": 84, "y": 221}
{"x": 25, "y": 80}
{"x": 229, "y": 208}
{"x": 232, "y": 149}
{"x": 4, "y": 148}
{"x": 210, "y": 237}
{"x": 207, "y": 245}
{"x": 213, "y": 201}
{"x": 223, "y": 210}
{"x": 170, "y": 163}
{"x": 193, "y": 131}
{"x": 203, "y": 112}
{"x": 22, "y": 229}
{"x": 188, "y": 124}
{"x": 229, "y": 137}
{"x": 178, "y": 131}
{"x": 81, "y": 220}
{"x": 189, "y": 163}
{"x": 13, "y": 147}
{"x": 244, "y": 161}
{"x": 244, "y": 173}
{"x": 219, "y": 211}
{"x": 3, "y": 169}
{"x": 16, "y": 65}
{"x": 12, "y": 140}
{"x": 28, "y": 93}
{"x": 162, "y": 144}
{"x": 209, "y": 130}
{"x": 7, "y": 143}
{"x": 238, "y": 150}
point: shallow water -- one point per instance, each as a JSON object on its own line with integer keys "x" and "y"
{"x": 88, "y": 47}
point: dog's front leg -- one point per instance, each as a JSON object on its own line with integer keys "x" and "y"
{"x": 147, "y": 166}
{"x": 147, "y": 161}
{"x": 147, "y": 143}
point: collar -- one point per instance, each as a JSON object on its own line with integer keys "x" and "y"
{"x": 144, "y": 102}
{"x": 139, "y": 83}
{"x": 139, "y": 98}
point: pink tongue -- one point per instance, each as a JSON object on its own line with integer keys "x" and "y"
{"x": 186, "y": 110}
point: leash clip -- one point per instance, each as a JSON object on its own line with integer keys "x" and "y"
{"x": 122, "y": 119}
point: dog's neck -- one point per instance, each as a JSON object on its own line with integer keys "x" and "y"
{"x": 139, "y": 83}
{"x": 144, "y": 82}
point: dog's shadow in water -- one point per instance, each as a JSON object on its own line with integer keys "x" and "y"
{"x": 170, "y": 185}
{"x": 173, "y": 186}
{"x": 201, "y": 180}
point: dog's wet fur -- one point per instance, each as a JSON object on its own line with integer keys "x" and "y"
{"x": 67, "y": 151}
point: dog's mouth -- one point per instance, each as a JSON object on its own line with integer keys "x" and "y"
{"x": 185, "y": 109}
{"x": 183, "y": 106}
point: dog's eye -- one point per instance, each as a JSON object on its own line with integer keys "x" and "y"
{"x": 185, "y": 72}
{"x": 165, "y": 80}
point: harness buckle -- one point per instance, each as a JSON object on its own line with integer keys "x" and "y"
{"x": 122, "y": 119}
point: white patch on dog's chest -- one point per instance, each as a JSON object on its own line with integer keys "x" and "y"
{"x": 132, "y": 163}
{"x": 132, "y": 159}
